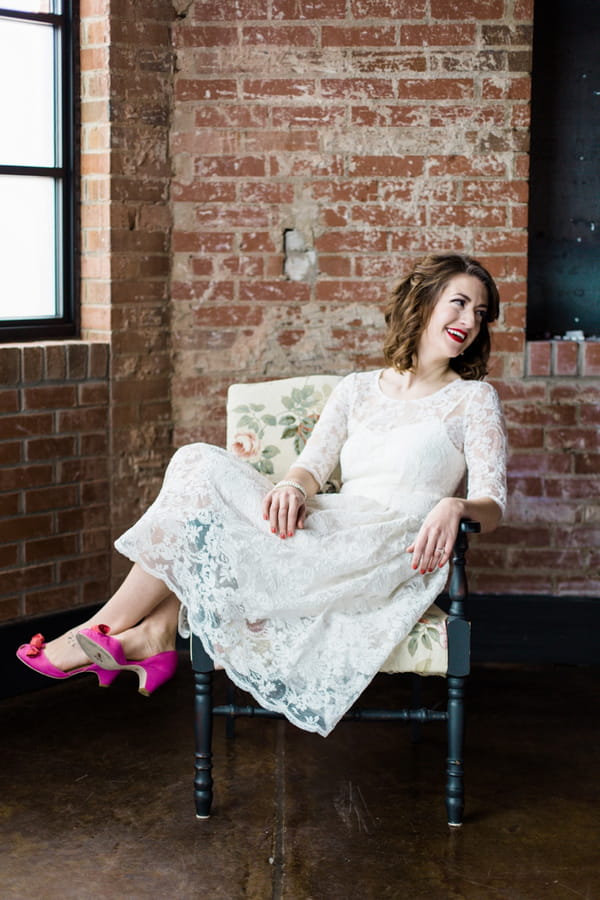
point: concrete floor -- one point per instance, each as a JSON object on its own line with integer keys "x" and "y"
{"x": 96, "y": 798}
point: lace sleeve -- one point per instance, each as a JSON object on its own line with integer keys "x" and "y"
{"x": 322, "y": 451}
{"x": 485, "y": 447}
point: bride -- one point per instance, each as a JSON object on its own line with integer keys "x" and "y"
{"x": 301, "y": 596}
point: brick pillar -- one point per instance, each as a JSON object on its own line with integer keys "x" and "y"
{"x": 127, "y": 71}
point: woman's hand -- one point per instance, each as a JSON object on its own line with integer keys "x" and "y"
{"x": 434, "y": 543}
{"x": 285, "y": 509}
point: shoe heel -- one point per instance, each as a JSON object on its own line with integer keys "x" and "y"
{"x": 153, "y": 673}
{"x": 105, "y": 676}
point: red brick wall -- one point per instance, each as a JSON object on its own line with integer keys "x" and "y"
{"x": 550, "y": 543}
{"x": 54, "y": 498}
{"x": 378, "y": 131}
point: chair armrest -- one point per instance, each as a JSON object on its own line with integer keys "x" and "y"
{"x": 469, "y": 526}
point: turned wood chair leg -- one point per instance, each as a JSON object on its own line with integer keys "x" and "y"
{"x": 455, "y": 793}
{"x": 203, "y": 721}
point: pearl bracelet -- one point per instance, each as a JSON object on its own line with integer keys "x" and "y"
{"x": 293, "y": 484}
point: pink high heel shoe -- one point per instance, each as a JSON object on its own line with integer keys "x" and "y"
{"x": 32, "y": 654}
{"x": 108, "y": 652}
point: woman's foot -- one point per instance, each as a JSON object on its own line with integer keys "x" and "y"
{"x": 109, "y": 653}
{"x": 65, "y": 653}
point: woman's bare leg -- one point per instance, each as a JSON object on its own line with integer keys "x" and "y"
{"x": 139, "y": 597}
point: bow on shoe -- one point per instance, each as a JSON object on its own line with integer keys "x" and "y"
{"x": 36, "y": 645}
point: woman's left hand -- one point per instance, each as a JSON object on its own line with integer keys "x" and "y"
{"x": 433, "y": 545}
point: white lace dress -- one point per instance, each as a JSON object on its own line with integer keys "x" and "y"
{"x": 305, "y": 623}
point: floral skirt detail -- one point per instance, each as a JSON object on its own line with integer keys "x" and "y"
{"x": 303, "y": 624}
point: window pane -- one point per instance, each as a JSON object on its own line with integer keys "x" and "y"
{"x": 27, "y": 95}
{"x": 34, "y": 6}
{"x": 27, "y": 239}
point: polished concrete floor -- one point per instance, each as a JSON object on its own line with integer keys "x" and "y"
{"x": 96, "y": 798}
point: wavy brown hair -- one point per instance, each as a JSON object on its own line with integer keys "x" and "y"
{"x": 411, "y": 303}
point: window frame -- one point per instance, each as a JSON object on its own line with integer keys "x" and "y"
{"x": 65, "y": 177}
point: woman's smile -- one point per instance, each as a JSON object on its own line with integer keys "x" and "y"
{"x": 457, "y": 335}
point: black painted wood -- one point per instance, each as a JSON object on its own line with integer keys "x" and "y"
{"x": 203, "y": 668}
{"x": 455, "y": 792}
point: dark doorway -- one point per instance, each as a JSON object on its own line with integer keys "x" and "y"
{"x": 564, "y": 210}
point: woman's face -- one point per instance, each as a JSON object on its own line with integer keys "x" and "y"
{"x": 456, "y": 318}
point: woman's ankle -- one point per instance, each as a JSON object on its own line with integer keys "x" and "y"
{"x": 142, "y": 642}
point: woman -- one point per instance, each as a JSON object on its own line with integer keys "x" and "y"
{"x": 305, "y": 624}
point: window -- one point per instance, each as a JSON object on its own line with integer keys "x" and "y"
{"x": 564, "y": 205}
{"x": 37, "y": 229}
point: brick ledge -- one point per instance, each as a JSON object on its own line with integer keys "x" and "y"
{"x": 547, "y": 359}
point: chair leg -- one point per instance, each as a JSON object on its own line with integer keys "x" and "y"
{"x": 455, "y": 794}
{"x": 203, "y": 669}
{"x": 203, "y": 783}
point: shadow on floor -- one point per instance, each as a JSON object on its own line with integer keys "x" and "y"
{"x": 96, "y": 798}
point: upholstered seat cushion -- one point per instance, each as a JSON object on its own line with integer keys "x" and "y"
{"x": 425, "y": 650}
{"x": 268, "y": 424}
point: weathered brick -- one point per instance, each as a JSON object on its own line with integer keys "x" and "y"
{"x": 565, "y": 357}
{"x": 49, "y": 397}
{"x": 288, "y": 10}
{"x": 262, "y": 89}
{"x": 66, "y": 596}
{"x": 436, "y": 89}
{"x": 344, "y": 36}
{"x": 10, "y": 401}
{"x": 591, "y": 359}
{"x": 279, "y": 35}
{"x": 45, "y": 498}
{"x": 24, "y": 528}
{"x": 10, "y": 365}
{"x": 33, "y": 364}
{"x": 51, "y": 548}
{"x": 467, "y": 9}
{"x": 216, "y": 11}
{"x": 51, "y": 447}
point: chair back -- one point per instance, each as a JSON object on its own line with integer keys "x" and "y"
{"x": 269, "y": 422}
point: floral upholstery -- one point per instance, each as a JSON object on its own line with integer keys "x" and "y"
{"x": 268, "y": 424}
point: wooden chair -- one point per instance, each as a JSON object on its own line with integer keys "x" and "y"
{"x": 268, "y": 423}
